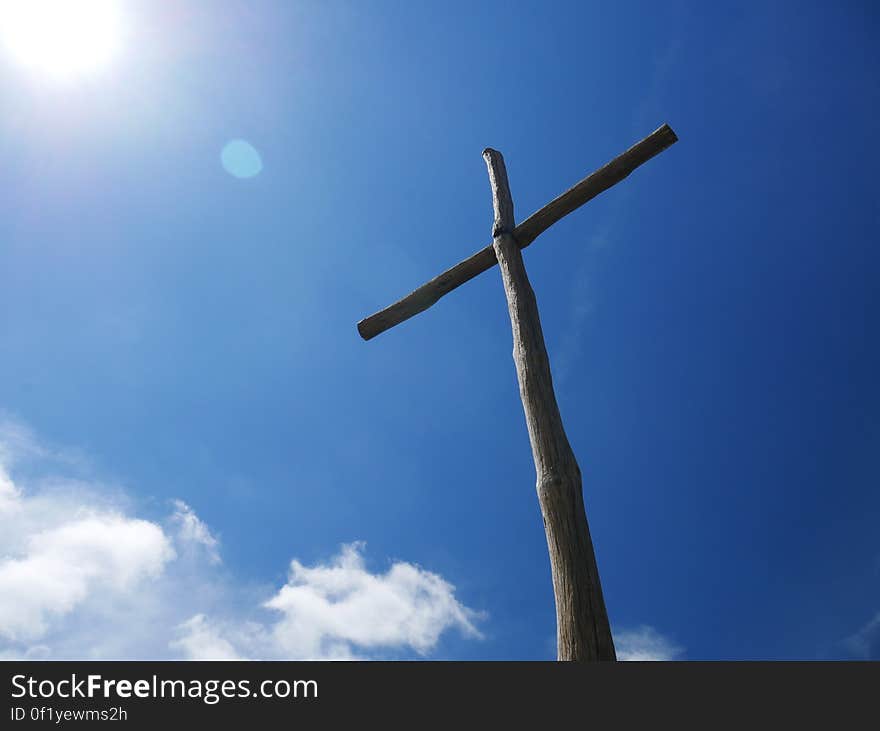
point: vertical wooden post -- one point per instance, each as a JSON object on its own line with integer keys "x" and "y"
{"x": 582, "y": 628}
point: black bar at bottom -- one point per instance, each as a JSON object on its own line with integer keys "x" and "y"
{"x": 463, "y": 695}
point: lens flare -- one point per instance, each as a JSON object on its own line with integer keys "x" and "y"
{"x": 241, "y": 159}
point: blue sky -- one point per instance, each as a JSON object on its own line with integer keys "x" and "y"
{"x": 171, "y": 332}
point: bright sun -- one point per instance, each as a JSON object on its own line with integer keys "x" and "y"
{"x": 61, "y": 38}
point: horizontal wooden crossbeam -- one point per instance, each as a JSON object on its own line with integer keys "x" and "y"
{"x": 588, "y": 188}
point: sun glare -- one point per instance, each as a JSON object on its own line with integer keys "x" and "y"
{"x": 61, "y": 38}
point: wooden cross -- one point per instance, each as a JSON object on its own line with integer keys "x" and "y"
{"x": 582, "y": 628}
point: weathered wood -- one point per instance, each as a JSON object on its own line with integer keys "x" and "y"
{"x": 608, "y": 175}
{"x": 582, "y": 628}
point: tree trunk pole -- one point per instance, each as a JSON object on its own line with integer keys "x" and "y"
{"x": 582, "y": 628}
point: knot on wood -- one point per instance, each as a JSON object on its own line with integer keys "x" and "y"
{"x": 499, "y": 229}
{"x": 550, "y": 481}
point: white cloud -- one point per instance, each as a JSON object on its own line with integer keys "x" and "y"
{"x": 199, "y": 640}
{"x": 9, "y": 494}
{"x": 645, "y": 643}
{"x": 83, "y": 576}
{"x": 62, "y": 565}
{"x": 338, "y": 610}
{"x": 331, "y": 608}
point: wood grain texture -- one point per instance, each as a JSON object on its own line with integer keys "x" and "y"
{"x": 583, "y": 632}
{"x": 608, "y": 175}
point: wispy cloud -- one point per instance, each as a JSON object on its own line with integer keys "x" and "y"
{"x": 649, "y": 113}
{"x": 865, "y": 644}
{"x": 193, "y": 531}
{"x": 82, "y": 575}
{"x": 646, "y": 643}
